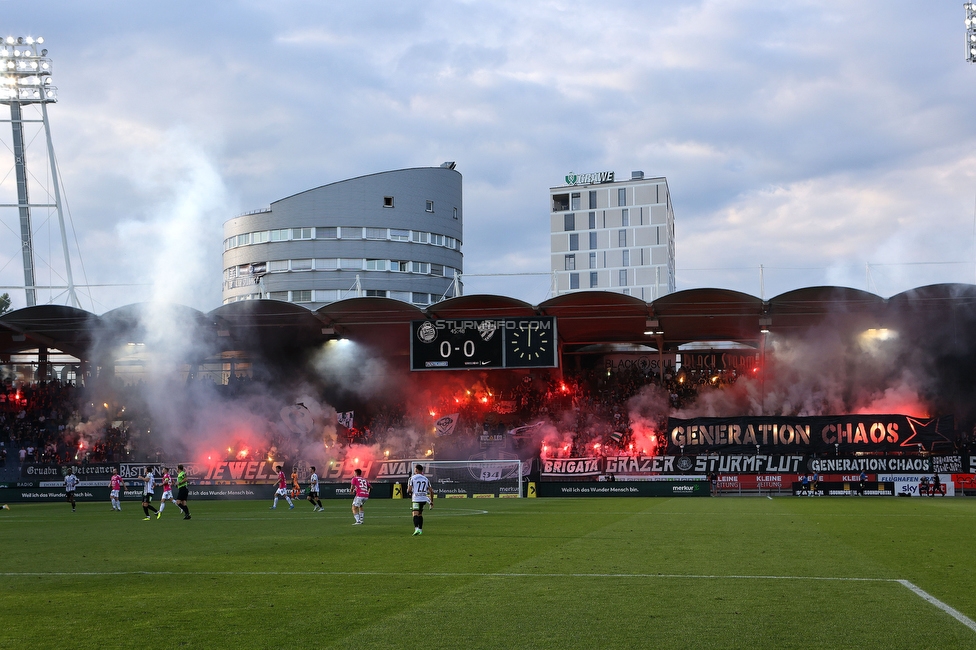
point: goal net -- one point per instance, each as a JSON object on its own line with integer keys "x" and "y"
{"x": 473, "y": 478}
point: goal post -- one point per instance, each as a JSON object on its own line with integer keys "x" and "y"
{"x": 502, "y": 478}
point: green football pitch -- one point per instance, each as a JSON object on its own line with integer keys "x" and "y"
{"x": 530, "y": 573}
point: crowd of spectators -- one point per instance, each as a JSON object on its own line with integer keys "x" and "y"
{"x": 51, "y": 422}
{"x": 58, "y": 422}
{"x": 591, "y": 409}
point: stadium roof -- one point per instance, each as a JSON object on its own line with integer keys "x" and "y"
{"x": 583, "y": 318}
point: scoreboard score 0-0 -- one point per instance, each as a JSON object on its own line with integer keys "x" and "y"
{"x": 528, "y": 342}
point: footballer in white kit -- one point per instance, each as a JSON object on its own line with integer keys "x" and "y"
{"x": 70, "y": 483}
{"x": 313, "y": 492}
{"x": 421, "y": 494}
{"x": 148, "y": 487}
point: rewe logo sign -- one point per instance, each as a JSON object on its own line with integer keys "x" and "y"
{"x": 588, "y": 179}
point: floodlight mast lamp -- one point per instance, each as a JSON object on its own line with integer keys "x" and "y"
{"x": 970, "y": 31}
{"x": 25, "y": 78}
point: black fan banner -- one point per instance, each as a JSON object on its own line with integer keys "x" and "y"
{"x": 817, "y": 435}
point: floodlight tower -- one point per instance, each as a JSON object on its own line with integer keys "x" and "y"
{"x": 25, "y": 78}
{"x": 970, "y": 31}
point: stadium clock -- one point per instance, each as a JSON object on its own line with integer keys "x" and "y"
{"x": 530, "y": 343}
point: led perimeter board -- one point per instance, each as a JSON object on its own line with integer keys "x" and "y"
{"x": 447, "y": 344}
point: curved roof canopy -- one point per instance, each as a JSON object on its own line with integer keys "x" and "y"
{"x": 382, "y": 323}
{"x": 586, "y": 318}
{"x": 595, "y": 317}
{"x": 53, "y": 326}
{"x": 267, "y": 325}
{"x": 708, "y": 315}
{"x": 805, "y": 308}
{"x": 481, "y": 306}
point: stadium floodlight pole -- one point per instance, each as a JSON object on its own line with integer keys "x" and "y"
{"x": 970, "y": 31}
{"x": 25, "y": 78}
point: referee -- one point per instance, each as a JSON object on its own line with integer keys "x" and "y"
{"x": 181, "y": 491}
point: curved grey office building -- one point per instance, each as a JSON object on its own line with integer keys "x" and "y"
{"x": 394, "y": 234}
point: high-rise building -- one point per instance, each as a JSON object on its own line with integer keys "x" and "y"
{"x": 394, "y": 234}
{"x": 612, "y": 235}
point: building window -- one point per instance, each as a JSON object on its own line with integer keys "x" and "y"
{"x": 592, "y": 199}
{"x": 279, "y": 235}
{"x": 560, "y": 202}
{"x": 326, "y": 295}
{"x": 376, "y": 233}
{"x": 621, "y": 238}
{"x": 399, "y": 266}
{"x": 625, "y": 217}
{"x": 327, "y": 233}
{"x": 574, "y": 280}
{"x": 592, "y": 241}
{"x": 399, "y": 235}
{"x": 277, "y": 266}
{"x": 574, "y": 201}
{"x": 303, "y": 295}
{"x": 421, "y": 298}
{"x": 594, "y": 279}
{"x": 301, "y": 265}
{"x": 574, "y": 242}
{"x": 436, "y": 240}
{"x": 592, "y": 220}
{"x": 592, "y": 260}
{"x": 376, "y": 293}
{"x": 259, "y": 237}
{"x": 569, "y": 222}
{"x": 420, "y": 237}
{"x": 420, "y": 267}
{"x": 387, "y": 201}
{"x": 301, "y": 233}
{"x": 279, "y": 295}
{"x": 622, "y": 277}
{"x": 569, "y": 262}
{"x": 455, "y": 213}
{"x": 430, "y": 206}
{"x": 622, "y": 196}
{"x": 377, "y": 265}
{"x": 401, "y": 295}
{"x": 326, "y": 264}
{"x": 349, "y": 232}
{"x": 626, "y": 257}
{"x": 437, "y": 269}
{"x": 347, "y": 264}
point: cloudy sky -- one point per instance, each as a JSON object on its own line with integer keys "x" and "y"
{"x": 829, "y": 142}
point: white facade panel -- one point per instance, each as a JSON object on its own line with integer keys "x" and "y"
{"x": 625, "y": 237}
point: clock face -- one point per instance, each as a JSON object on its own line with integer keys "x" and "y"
{"x": 531, "y": 343}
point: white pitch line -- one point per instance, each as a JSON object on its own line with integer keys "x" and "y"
{"x": 954, "y": 613}
{"x": 443, "y": 574}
